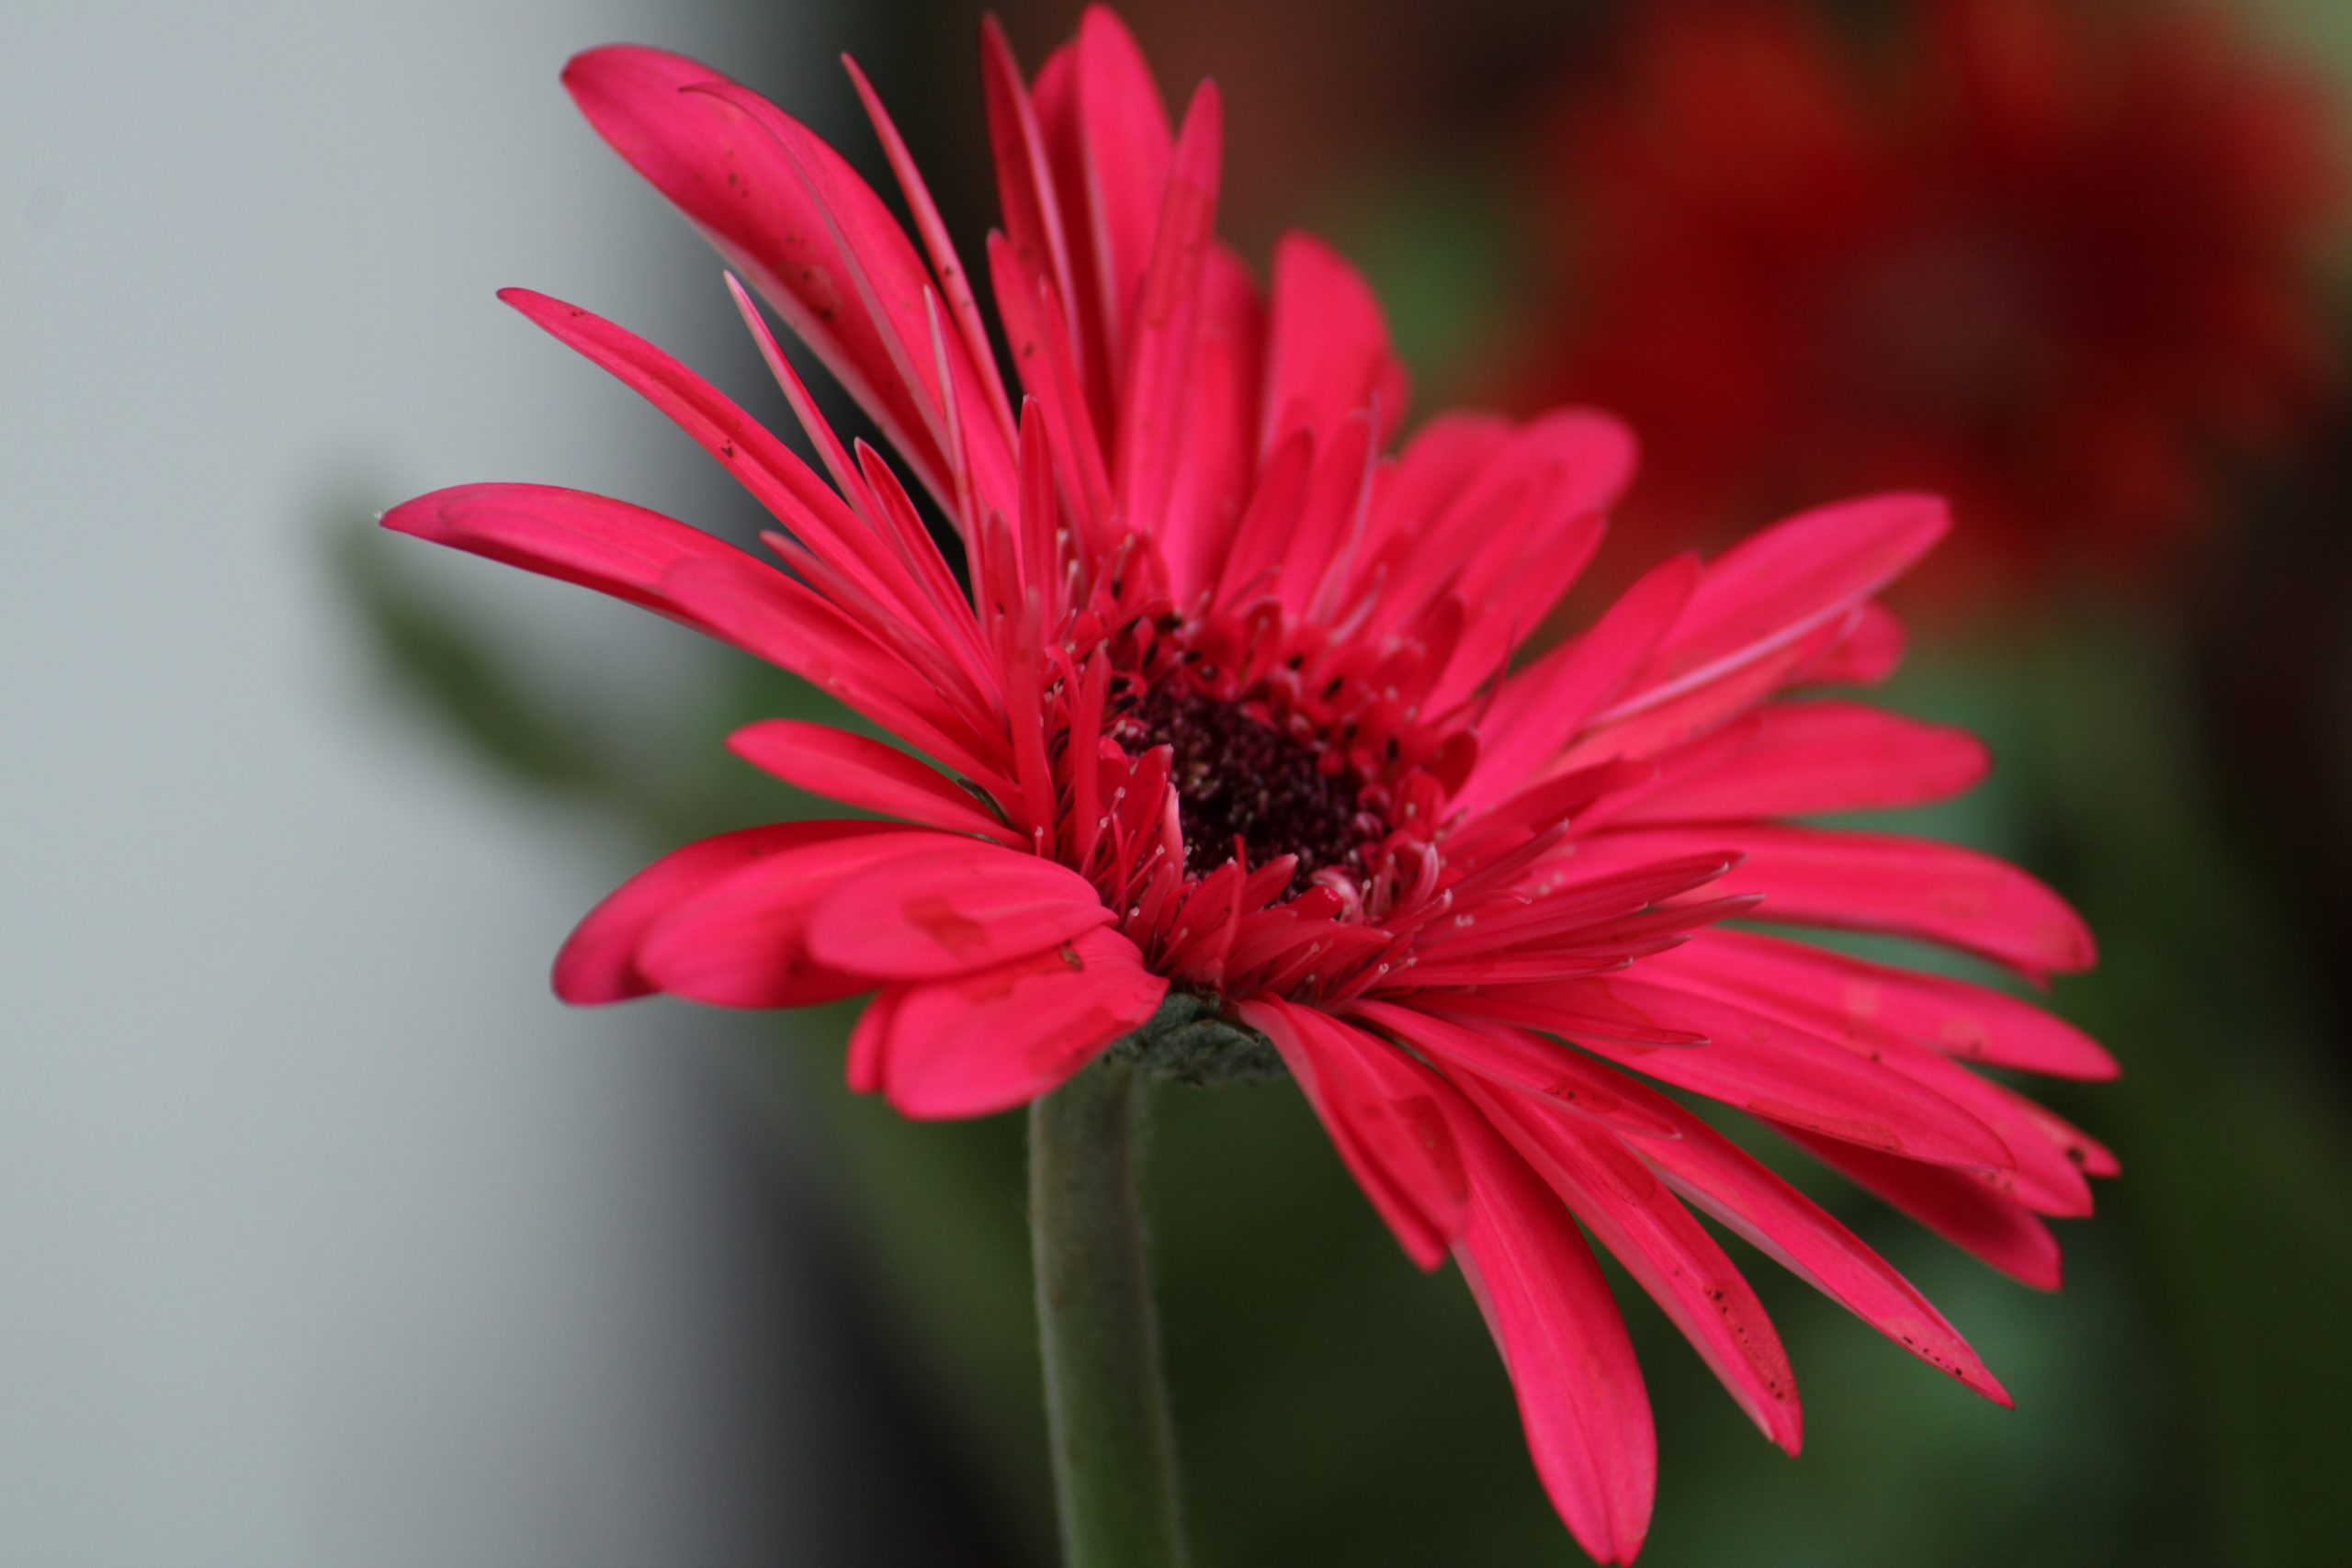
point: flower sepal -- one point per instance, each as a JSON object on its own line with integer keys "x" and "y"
{"x": 1191, "y": 1040}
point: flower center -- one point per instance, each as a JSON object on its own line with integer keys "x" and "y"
{"x": 1239, "y": 776}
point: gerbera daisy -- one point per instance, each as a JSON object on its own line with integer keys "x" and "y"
{"x": 2054, "y": 262}
{"x": 1229, "y": 773}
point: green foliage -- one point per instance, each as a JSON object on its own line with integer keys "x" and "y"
{"x": 455, "y": 673}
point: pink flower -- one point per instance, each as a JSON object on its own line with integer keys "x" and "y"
{"x": 1228, "y": 755}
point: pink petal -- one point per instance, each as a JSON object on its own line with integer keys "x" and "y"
{"x": 570, "y": 535}
{"x": 1326, "y": 345}
{"x": 1337, "y": 494}
{"x": 956, "y": 282}
{"x": 1952, "y": 1016}
{"x": 2044, "y": 1178}
{"x": 1555, "y": 544}
{"x": 988, "y": 1040}
{"x": 743, "y": 941}
{"x": 1733, "y": 1188}
{"x": 1544, "y": 707}
{"x": 1756, "y": 1063}
{"x": 795, "y": 219}
{"x": 1781, "y": 585}
{"x": 1167, "y": 319}
{"x": 1503, "y": 519}
{"x": 972, "y": 472}
{"x": 1795, "y": 758}
{"x": 1262, "y": 534}
{"x": 1914, "y": 887}
{"x": 2095, "y": 1158}
{"x": 1220, "y": 429}
{"x": 1036, "y": 240}
{"x": 951, "y": 907}
{"x": 1668, "y": 1253}
{"x": 1869, "y": 651}
{"x": 1571, "y": 465}
{"x": 1387, "y": 1116}
{"x": 1438, "y": 460}
{"x": 866, "y": 1062}
{"x": 1964, "y": 1211}
{"x": 598, "y": 964}
{"x": 1126, "y": 150}
{"x": 853, "y": 564}
{"x": 766, "y": 468}
{"x": 1521, "y": 1060}
{"x": 864, "y": 774}
{"x": 1571, "y": 1364}
{"x": 1725, "y": 698}
{"x": 773, "y": 617}
{"x": 1038, "y": 332}
{"x": 2047, "y": 1175}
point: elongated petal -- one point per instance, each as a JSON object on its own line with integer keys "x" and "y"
{"x": 869, "y": 1041}
{"x": 1502, "y": 518}
{"x": 1869, "y": 649}
{"x": 1166, "y": 324}
{"x": 2045, "y": 1178}
{"x": 1038, "y": 334}
{"x": 1955, "y": 1017}
{"x": 764, "y": 466}
{"x": 1962, "y": 1211}
{"x": 1796, "y": 758}
{"x": 1326, "y": 349}
{"x": 1211, "y": 485}
{"x": 1784, "y": 583}
{"x": 997, "y": 1038}
{"x": 1438, "y": 460}
{"x": 1542, "y": 709}
{"x": 1913, "y": 888}
{"x": 1035, "y": 227}
{"x": 1756, "y": 1063}
{"x": 1126, "y": 149}
{"x": 967, "y": 462}
{"x": 1509, "y": 562}
{"x": 1572, "y": 1366}
{"x": 1699, "y": 708}
{"x": 951, "y": 907}
{"x": 955, "y": 280}
{"x": 1734, "y": 1188}
{"x": 574, "y": 536}
{"x": 739, "y": 183}
{"x": 1668, "y": 1253}
{"x": 864, "y": 774}
{"x": 773, "y": 617}
{"x": 599, "y": 963}
{"x": 1387, "y": 1114}
{"x": 742, "y": 940}
{"x": 1527, "y": 1062}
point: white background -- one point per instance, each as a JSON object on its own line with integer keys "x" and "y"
{"x": 326, "y": 1236}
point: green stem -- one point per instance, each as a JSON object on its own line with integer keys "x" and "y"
{"x": 1106, "y": 1402}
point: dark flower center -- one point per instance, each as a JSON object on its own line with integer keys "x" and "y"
{"x": 1239, "y": 776}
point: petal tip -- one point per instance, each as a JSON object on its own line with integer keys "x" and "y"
{"x": 424, "y": 517}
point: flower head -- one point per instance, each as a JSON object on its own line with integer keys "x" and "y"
{"x": 1227, "y": 768}
{"x": 2054, "y": 262}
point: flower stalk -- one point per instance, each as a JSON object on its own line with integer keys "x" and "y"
{"x": 1106, "y": 1399}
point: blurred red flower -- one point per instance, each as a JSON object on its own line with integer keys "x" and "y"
{"x": 2053, "y": 262}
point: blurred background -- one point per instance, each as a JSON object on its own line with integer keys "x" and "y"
{"x": 326, "y": 1236}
